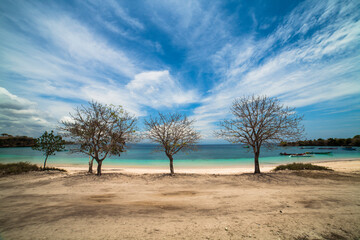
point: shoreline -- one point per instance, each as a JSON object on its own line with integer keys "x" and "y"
{"x": 344, "y": 165}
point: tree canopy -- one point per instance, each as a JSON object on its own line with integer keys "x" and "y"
{"x": 258, "y": 121}
{"x": 49, "y": 144}
{"x": 101, "y": 130}
{"x": 173, "y": 132}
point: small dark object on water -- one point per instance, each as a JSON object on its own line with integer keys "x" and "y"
{"x": 318, "y": 152}
{"x": 288, "y": 154}
{"x": 349, "y": 148}
{"x": 300, "y": 155}
{"x": 293, "y": 154}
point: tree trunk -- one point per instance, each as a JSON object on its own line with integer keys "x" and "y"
{"x": 99, "y": 168}
{"x": 257, "y": 166}
{"x": 45, "y": 161}
{"x": 91, "y": 161}
{"x": 171, "y": 164}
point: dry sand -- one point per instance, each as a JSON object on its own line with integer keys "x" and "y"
{"x": 285, "y": 205}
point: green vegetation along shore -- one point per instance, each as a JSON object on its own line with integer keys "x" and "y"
{"x": 7, "y": 140}
{"x": 355, "y": 141}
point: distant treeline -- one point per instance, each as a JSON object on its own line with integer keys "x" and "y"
{"x": 7, "y": 140}
{"x": 355, "y": 141}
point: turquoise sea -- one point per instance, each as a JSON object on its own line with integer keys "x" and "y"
{"x": 206, "y": 155}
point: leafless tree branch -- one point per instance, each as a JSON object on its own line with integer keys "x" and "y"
{"x": 173, "y": 133}
{"x": 100, "y": 130}
{"x": 258, "y": 121}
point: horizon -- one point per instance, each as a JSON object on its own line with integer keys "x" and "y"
{"x": 189, "y": 57}
{"x": 147, "y": 142}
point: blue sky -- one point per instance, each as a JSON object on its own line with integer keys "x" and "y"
{"x": 193, "y": 57}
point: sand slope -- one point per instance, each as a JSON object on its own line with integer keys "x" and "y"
{"x": 310, "y": 205}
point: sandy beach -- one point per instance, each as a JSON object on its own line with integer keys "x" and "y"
{"x": 123, "y": 204}
{"x": 344, "y": 165}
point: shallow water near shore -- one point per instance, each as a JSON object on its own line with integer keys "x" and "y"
{"x": 206, "y": 155}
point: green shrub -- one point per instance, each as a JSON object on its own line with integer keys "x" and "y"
{"x": 301, "y": 166}
{"x": 22, "y": 167}
{"x": 16, "y": 168}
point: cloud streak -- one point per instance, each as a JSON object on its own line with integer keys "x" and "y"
{"x": 19, "y": 113}
{"x": 307, "y": 70}
{"x": 78, "y": 64}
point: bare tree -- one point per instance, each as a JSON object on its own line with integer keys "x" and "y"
{"x": 258, "y": 121}
{"x": 173, "y": 133}
{"x": 101, "y": 131}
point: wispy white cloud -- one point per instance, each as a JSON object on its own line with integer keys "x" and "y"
{"x": 77, "y": 63}
{"x": 197, "y": 26}
{"x": 11, "y": 101}
{"x": 19, "y": 113}
{"x": 307, "y": 70}
{"x": 120, "y": 12}
{"x": 158, "y": 89}
{"x": 112, "y": 16}
{"x": 85, "y": 47}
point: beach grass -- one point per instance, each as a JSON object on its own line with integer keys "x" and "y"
{"x": 23, "y": 167}
{"x": 301, "y": 166}
{"x": 17, "y": 168}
